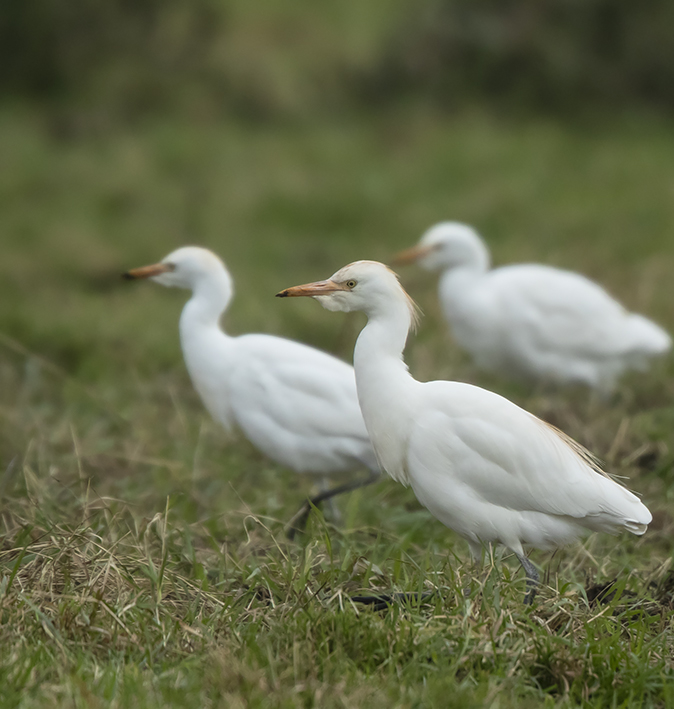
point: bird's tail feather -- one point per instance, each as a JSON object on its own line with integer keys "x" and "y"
{"x": 635, "y": 527}
{"x": 648, "y": 338}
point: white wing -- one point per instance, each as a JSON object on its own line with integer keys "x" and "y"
{"x": 299, "y": 405}
{"x": 551, "y": 310}
{"x": 492, "y": 471}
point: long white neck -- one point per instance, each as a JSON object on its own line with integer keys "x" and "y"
{"x": 474, "y": 257}
{"x": 386, "y": 390}
{"x": 382, "y": 340}
{"x": 480, "y": 259}
{"x": 210, "y": 297}
{"x": 456, "y": 281}
{"x": 206, "y": 348}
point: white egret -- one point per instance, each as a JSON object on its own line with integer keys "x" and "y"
{"x": 484, "y": 467}
{"x": 296, "y": 404}
{"x": 533, "y": 322}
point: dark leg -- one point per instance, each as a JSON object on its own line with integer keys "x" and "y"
{"x": 299, "y": 520}
{"x": 532, "y": 579}
{"x": 477, "y": 550}
{"x": 383, "y": 601}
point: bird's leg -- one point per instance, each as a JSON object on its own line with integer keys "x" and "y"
{"x": 476, "y": 554}
{"x": 532, "y": 578}
{"x": 383, "y": 601}
{"x": 334, "y": 509}
{"x": 299, "y": 520}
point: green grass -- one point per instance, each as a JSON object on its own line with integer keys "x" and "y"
{"x": 143, "y": 561}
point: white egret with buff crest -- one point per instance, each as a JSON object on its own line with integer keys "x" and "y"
{"x": 296, "y": 404}
{"x": 484, "y": 467}
{"x": 533, "y": 322}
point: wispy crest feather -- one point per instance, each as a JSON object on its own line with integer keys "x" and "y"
{"x": 415, "y": 310}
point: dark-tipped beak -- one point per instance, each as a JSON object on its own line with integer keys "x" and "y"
{"x": 148, "y": 271}
{"x": 410, "y": 255}
{"x": 311, "y": 289}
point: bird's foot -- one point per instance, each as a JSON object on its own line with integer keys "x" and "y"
{"x": 530, "y": 594}
{"x": 382, "y": 601}
{"x": 298, "y": 521}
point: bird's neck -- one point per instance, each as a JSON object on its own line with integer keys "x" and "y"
{"x": 456, "y": 282}
{"x": 208, "y": 351}
{"x": 385, "y": 335}
{"x": 210, "y": 298}
{"x": 475, "y": 263}
{"x": 386, "y": 390}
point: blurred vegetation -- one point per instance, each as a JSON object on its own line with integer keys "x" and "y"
{"x": 552, "y": 55}
{"x": 293, "y": 57}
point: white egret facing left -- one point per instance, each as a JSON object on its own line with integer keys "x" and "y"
{"x": 296, "y": 404}
{"x": 484, "y": 467}
{"x": 530, "y": 321}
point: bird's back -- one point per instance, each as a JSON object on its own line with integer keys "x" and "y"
{"x": 539, "y": 322}
{"x": 647, "y": 340}
{"x": 298, "y": 405}
{"x": 494, "y": 472}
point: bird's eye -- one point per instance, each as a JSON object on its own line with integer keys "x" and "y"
{"x": 351, "y": 284}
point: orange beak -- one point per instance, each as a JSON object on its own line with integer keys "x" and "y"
{"x": 410, "y": 255}
{"x": 148, "y": 271}
{"x": 311, "y": 289}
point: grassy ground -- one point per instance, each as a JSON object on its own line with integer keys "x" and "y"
{"x": 143, "y": 561}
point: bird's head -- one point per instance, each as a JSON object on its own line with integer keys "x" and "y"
{"x": 364, "y": 285}
{"x": 182, "y": 268}
{"x": 447, "y": 245}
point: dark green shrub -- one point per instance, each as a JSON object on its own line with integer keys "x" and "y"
{"x": 297, "y": 56}
{"x": 546, "y": 54}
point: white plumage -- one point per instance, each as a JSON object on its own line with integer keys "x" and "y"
{"x": 486, "y": 468}
{"x": 298, "y": 405}
{"x": 530, "y": 321}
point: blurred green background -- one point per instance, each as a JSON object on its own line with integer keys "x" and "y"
{"x": 297, "y": 58}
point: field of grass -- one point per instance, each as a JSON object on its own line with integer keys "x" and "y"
{"x": 143, "y": 561}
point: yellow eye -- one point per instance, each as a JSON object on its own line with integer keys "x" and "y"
{"x": 351, "y": 284}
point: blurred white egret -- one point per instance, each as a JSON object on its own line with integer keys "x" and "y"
{"x": 484, "y": 467}
{"x": 298, "y": 405}
{"x": 530, "y": 321}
